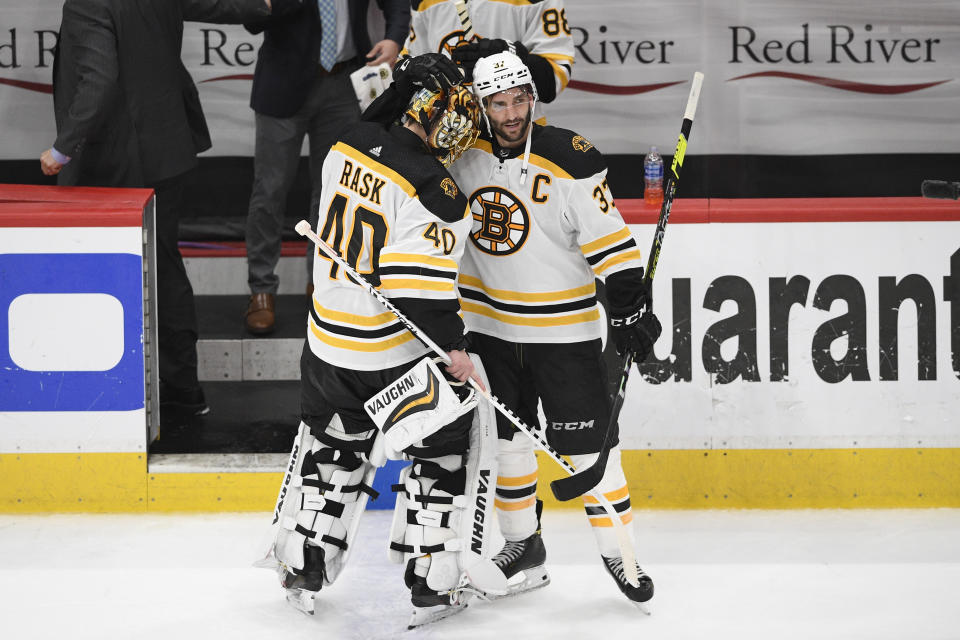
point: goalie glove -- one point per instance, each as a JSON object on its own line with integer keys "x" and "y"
{"x": 467, "y": 55}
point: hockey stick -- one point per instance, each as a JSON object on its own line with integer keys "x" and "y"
{"x": 464, "y": 14}
{"x": 626, "y": 549}
{"x": 578, "y": 484}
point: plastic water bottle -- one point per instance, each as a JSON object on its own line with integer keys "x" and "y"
{"x": 653, "y": 178}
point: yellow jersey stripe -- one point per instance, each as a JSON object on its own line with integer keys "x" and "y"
{"x": 350, "y": 318}
{"x": 607, "y": 240}
{"x": 379, "y": 167}
{"x": 426, "y": 4}
{"x": 556, "y": 56}
{"x": 528, "y": 321}
{"x": 516, "y": 3}
{"x": 535, "y": 159}
{"x": 613, "y": 496}
{"x": 483, "y": 145}
{"x": 516, "y": 481}
{"x": 407, "y": 258}
{"x": 357, "y": 345}
{"x": 387, "y": 282}
{"x": 627, "y": 256}
{"x": 562, "y": 76}
{"x": 555, "y": 169}
{"x": 515, "y": 506}
{"x": 523, "y": 296}
{"x": 626, "y": 518}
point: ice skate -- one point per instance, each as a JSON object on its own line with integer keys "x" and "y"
{"x": 639, "y": 594}
{"x": 302, "y": 587}
{"x": 302, "y": 600}
{"x": 522, "y": 562}
{"x": 430, "y": 606}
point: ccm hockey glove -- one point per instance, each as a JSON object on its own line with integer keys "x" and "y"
{"x": 635, "y": 333}
{"x": 431, "y": 71}
{"x": 636, "y": 330}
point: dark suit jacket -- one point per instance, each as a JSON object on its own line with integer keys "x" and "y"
{"x": 286, "y": 63}
{"x": 127, "y": 111}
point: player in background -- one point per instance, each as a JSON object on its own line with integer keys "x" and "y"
{"x": 544, "y": 227}
{"x": 392, "y": 211}
{"x": 536, "y": 30}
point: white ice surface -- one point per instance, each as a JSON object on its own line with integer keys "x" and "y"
{"x": 718, "y": 574}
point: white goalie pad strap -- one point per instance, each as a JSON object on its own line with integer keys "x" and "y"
{"x": 425, "y": 519}
{"x": 416, "y": 405}
{"x": 465, "y": 540}
{"x": 428, "y": 518}
{"x": 325, "y": 498}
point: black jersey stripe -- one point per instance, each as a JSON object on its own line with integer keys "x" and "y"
{"x": 599, "y": 257}
{"x": 355, "y": 332}
{"x": 513, "y": 494}
{"x": 619, "y": 507}
{"x": 532, "y": 308}
{"x": 416, "y": 270}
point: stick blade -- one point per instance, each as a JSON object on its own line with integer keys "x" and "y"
{"x": 574, "y": 486}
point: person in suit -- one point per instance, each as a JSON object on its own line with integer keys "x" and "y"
{"x": 301, "y": 87}
{"x": 128, "y": 115}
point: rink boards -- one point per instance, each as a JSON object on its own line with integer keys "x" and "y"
{"x": 812, "y": 361}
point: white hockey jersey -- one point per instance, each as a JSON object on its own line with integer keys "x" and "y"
{"x": 535, "y": 249}
{"x": 397, "y": 217}
{"x": 541, "y": 25}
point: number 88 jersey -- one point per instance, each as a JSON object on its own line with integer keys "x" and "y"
{"x": 395, "y": 215}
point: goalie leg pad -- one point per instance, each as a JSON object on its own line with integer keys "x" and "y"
{"x": 426, "y": 520}
{"x": 444, "y": 505}
{"x": 325, "y": 498}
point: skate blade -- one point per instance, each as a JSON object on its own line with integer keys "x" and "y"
{"x": 643, "y": 608}
{"x": 529, "y": 580}
{"x": 428, "y": 615}
{"x": 302, "y": 600}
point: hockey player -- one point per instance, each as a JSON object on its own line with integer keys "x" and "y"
{"x": 392, "y": 211}
{"x": 544, "y": 226}
{"x": 536, "y": 30}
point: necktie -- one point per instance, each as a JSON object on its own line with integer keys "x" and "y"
{"x": 328, "y": 33}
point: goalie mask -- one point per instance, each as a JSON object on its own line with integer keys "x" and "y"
{"x": 451, "y": 119}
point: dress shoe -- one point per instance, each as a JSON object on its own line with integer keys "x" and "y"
{"x": 188, "y": 402}
{"x": 260, "y": 316}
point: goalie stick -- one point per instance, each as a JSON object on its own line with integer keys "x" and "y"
{"x": 623, "y": 539}
{"x": 585, "y": 480}
{"x": 464, "y": 14}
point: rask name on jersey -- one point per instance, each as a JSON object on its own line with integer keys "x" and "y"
{"x": 394, "y": 214}
{"x": 360, "y": 180}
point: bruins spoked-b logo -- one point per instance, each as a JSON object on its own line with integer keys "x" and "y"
{"x": 581, "y": 144}
{"x": 453, "y": 40}
{"x": 500, "y": 221}
{"x": 449, "y": 187}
